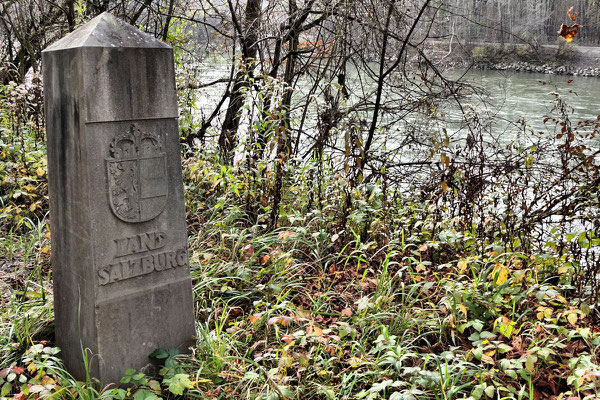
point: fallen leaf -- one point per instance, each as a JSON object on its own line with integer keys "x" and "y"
{"x": 31, "y": 368}
{"x": 313, "y": 330}
{"x": 487, "y": 359}
{"x": 543, "y": 312}
{"x": 500, "y": 274}
{"x": 256, "y": 317}
{"x": 346, "y": 312}
{"x": 247, "y": 252}
{"x": 283, "y": 321}
{"x": 572, "y": 318}
{"x": 287, "y": 234}
{"x": 530, "y": 362}
{"x": 462, "y": 266}
{"x": 18, "y": 370}
{"x": 46, "y": 380}
{"x": 288, "y": 339}
{"x": 36, "y": 388}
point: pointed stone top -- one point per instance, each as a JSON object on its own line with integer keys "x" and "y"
{"x": 106, "y": 31}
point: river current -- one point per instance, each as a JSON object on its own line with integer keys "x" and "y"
{"x": 509, "y": 97}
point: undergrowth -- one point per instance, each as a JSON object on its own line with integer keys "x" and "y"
{"x": 361, "y": 290}
{"x": 411, "y": 310}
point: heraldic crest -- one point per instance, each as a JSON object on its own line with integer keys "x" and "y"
{"x": 137, "y": 176}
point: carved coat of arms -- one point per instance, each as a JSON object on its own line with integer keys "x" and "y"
{"x": 137, "y": 176}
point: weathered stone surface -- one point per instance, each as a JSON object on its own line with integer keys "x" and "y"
{"x": 117, "y": 215}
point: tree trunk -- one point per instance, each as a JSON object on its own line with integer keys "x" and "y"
{"x": 249, "y": 41}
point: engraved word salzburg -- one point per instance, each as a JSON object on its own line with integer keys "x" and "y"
{"x": 126, "y": 268}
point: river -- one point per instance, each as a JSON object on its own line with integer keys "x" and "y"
{"x": 520, "y": 95}
{"x": 509, "y": 97}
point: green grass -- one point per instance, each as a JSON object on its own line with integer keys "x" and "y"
{"x": 313, "y": 311}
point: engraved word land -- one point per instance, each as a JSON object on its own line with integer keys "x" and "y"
{"x": 137, "y": 176}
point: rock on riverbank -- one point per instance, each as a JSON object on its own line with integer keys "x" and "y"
{"x": 542, "y": 69}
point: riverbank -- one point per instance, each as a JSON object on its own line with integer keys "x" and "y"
{"x": 558, "y": 59}
{"x": 551, "y": 59}
{"x": 548, "y": 69}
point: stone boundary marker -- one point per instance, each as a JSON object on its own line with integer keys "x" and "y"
{"x": 122, "y": 284}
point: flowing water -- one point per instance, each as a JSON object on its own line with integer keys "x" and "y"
{"x": 528, "y": 96}
{"x": 509, "y": 97}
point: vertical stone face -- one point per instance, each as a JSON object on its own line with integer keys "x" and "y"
{"x": 122, "y": 285}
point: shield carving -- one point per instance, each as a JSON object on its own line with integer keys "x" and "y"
{"x": 137, "y": 176}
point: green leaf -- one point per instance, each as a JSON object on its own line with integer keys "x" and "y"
{"x": 490, "y": 391}
{"x": 178, "y": 383}
{"x": 503, "y": 348}
{"x": 477, "y": 325}
{"x": 145, "y": 394}
{"x": 154, "y": 385}
{"x": 478, "y": 391}
{"x": 159, "y": 353}
{"x": 486, "y": 335}
{"x": 170, "y": 362}
{"x": 530, "y": 362}
{"x": 5, "y": 389}
{"x": 378, "y": 387}
{"x": 251, "y": 375}
{"x": 119, "y": 393}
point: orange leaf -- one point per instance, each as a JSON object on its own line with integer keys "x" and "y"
{"x": 283, "y": 321}
{"x": 254, "y": 318}
{"x": 46, "y": 380}
{"x": 331, "y": 350}
{"x": 288, "y": 339}
{"x": 568, "y": 32}
{"x": 18, "y": 370}
{"x": 287, "y": 234}
{"x": 571, "y": 14}
{"x": 346, "y": 312}
{"x": 313, "y": 330}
